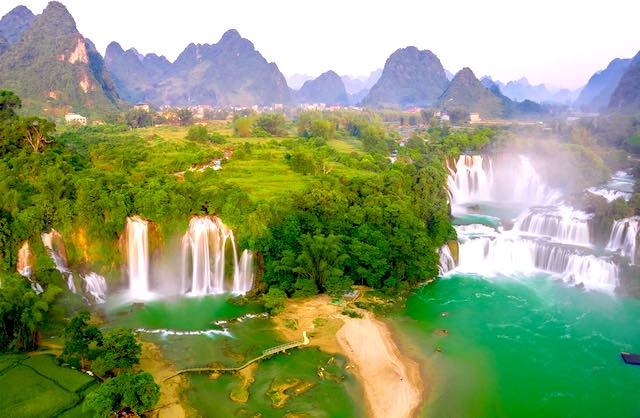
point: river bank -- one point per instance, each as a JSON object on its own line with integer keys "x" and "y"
{"x": 392, "y": 383}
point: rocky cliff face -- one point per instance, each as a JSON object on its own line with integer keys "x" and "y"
{"x": 595, "y": 96}
{"x": 55, "y": 70}
{"x": 328, "y": 88}
{"x": 410, "y": 78}
{"x": 626, "y": 96}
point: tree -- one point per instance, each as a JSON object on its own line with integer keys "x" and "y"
{"x": 320, "y": 261}
{"x": 198, "y": 133}
{"x": 9, "y": 103}
{"x": 22, "y": 312}
{"x": 36, "y": 132}
{"x": 274, "y": 300}
{"x": 119, "y": 351}
{"x": 136, "y": 391}
{"x": 138, "y": 118}
{"x": 272, "y": 123}
{"x": 242, "y": 126}
{"x": 78, "y": 335}
{"x": 374, "y": 140}
{"x": 185, "y": 116}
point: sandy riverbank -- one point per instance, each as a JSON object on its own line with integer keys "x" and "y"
{"x": 171, "y": 398}
{"x": 392, "y": 382}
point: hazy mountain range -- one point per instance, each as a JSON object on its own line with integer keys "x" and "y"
{"x": 55, "y": 69}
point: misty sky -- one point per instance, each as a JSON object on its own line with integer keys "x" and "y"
{"x": 558, "y": 42}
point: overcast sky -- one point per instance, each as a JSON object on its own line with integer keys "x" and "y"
{"x": 558, "y": 42}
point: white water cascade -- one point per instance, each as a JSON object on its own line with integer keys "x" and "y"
{"x": 137, "y": 235}
{"x": 623, "y": 238}
{"x": 548, "y": 237}
{"x": 446, "y": 263}
{"x": 24, "y": 266}
{"x": 510, "y": 254}
{"x": 470, "y": 179}
{"x": 620, "y": 185}
{"x": 96, "y": 286}
{"x": 204, "y": 249}
{"x": 510, "y": 178}
{"x": 562, "y": 224}
{"x": 243, "y": 278}
{"x": 54, "y": 244}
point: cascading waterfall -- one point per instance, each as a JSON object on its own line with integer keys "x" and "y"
{"x": 551, "y": 238}
{"x": 468, "y": 180}
{"x": 96, "y": 286}
{"x": 529, "y": 185}
{"x": 243, "y": 279}
{"x": 54, "y": 244}
{"x": 620, "y": 185}
{"x": 204, "y": 259}
{"x": 24, "y": 265}
{"x": 509, "y": 254}
{"x": 447, "y": 263}
{"x": 477, "y": 178}
{"x": 623, "y": 237}
{"x": 562, "y": 224}
{"x": 138, "y": 256}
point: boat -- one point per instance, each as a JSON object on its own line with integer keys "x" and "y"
{"x": 630, "y": 358}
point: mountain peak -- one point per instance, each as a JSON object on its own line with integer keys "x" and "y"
{"x": 411, "y": 77}
{"x": 328, "y": 88}
{"x": 113, "y": 48}
{"x": 466, "y": 93}
{"x": 230, "y": 35}
{"x": 14, "y": 23}
{"x": 57, "y": 14}
{"x": 465, "y": 73}
{"x": 20, "y": 12}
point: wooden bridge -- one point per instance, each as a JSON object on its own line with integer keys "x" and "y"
{"x": 266, "y": 353}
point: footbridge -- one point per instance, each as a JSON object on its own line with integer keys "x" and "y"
{"x": 266, "y": 353}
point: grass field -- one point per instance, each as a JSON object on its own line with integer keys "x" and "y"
{"x": 38, "y": 387}
{"x": 27, "y": 394}
{"x": 69, "y": 379}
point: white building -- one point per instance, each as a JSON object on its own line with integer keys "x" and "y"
{"x": 75, "y": 119}
{"x": 474, "y": 117}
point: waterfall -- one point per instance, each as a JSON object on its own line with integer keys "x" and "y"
{"x": 609, "y": 194}
{"x": 24, "y": 266}
{"x": 243, "y": 279}
{"x": 620, "y": 185}
{"x": 96, "y": 286}
{"x": 477, "y": 178}
{"x": 623, "y": 237}
{"x": 54, "y": 244}
{"x": 204, "y": 259}
{"x": 509, "y": 254}
{"x": 446, "y": 263}
{"x": 562, "y": 224}
{"x": 138, "y": 256}
{"x": 529, "y": 185}
{"x": 468, "y": 180}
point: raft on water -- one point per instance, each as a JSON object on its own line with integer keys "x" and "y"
{"x": 631, "y": 358}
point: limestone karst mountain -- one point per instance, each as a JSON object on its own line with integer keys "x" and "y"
{"x": 55, "y": 70}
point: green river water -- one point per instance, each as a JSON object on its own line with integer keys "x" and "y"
{"x": 335, "y": 395}
{"x": 524, "y": 347}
